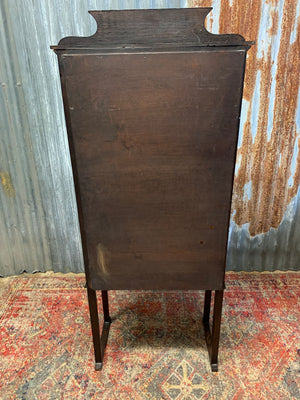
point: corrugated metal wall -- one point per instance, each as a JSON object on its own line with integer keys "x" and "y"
{"x": 265, "y": 223}
{"x": 38, "y": 222}
{"x": 38, "y": 217}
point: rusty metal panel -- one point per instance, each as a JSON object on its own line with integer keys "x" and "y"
{"x": 265, "y": 220}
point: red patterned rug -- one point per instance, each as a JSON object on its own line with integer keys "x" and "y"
{"x": 156, "y": 347}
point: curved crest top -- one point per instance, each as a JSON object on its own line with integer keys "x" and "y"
{"x": 151, "y": 28}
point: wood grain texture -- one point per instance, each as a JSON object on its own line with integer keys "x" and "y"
{"x": 152, "y": 104}
{"x": 159, "y": 28}
{"x": 154, "y": 138}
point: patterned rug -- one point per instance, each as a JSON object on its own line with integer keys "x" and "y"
{"x": 156, "y": 347}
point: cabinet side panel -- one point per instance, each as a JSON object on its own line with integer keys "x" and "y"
{"x": 154, "y": 140}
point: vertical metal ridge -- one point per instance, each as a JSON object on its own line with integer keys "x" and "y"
{"x": 22, "y": 219}
{"x": 264, "y": 233}
{"x": 39, "y": 227}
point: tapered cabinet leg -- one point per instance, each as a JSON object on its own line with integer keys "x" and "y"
{"x": 99, "y": 341}
{"x": 92, "y": 299}
{"x": 216, "y": 329}
{"x": 105, "y": 306}
{"x": 207, "y": 301}
{"x": 213, "y": 337}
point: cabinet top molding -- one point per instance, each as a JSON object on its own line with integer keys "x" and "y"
{"x": 150, "y": 29}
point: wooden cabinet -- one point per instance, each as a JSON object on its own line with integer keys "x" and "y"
{"x": 152, "y": 104}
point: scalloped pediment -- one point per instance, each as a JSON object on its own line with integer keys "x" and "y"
{"x": 157, "y": 28}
